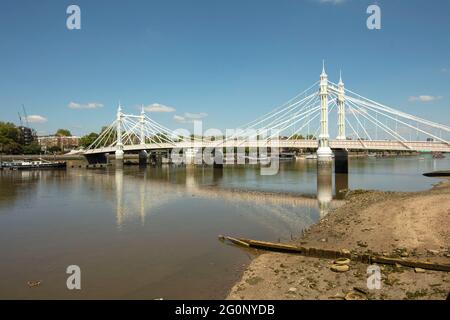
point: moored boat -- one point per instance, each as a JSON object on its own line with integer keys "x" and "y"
{"x": 34, "y": 164}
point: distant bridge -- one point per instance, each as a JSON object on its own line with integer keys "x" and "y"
{"x": 373, "y": 126}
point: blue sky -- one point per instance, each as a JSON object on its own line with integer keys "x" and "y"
{"x": 226, "y": 61}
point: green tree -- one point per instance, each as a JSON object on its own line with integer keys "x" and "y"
{"x": 297, "y": 137}
{"x": 54, "y": 149}
{"x": 12, "y": 148}
{"x": 110, "y": 137}
{"x": 63, "y": 133}
{"x": 32, "y": 148}
{"x": 8, "y": 131}
{"x": 88, "y": 139}
{"x": 10, "y": 138}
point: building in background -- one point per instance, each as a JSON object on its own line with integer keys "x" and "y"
{"x": 63, "y": 143}
{"x": 27, "y": 135}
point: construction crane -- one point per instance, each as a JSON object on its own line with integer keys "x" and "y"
{"x": 26, "y": 116}
{"x": 20, "y": 119}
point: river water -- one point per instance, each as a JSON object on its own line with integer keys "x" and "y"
{"x": 152, "y": 233}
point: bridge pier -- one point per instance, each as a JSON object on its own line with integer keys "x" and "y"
{"x": 143, "y": 155}
{"x": 341, "y": 161}
{"x": 217, "y": 165}
{"x": 119, "y": 158}
{"x": 218, "y": 159}
{"x": 96, "y": 158}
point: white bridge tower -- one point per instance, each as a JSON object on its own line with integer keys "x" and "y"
{"x": 324, "y": 152}
{"x": 119, "y": 144}
{"x": 341, "y": 110}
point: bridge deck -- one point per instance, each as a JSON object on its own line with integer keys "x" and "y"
{"x": 382, "y": 145}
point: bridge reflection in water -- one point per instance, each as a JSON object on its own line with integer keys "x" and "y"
{"x": 140, "y": 192}
{"x": 151, "y": 233}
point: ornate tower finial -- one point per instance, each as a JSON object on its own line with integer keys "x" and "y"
{"x": 341, "y": 83}
{"x": 323, "y": 74}
{"x": 142, "y": 109}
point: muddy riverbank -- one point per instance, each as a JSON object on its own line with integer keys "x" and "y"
{"x": 396, "y": 224}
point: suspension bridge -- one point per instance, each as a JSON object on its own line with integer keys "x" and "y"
{"x": 302, "y": 122}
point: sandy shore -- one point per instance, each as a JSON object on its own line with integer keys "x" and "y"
{"x": 408, "y": 225}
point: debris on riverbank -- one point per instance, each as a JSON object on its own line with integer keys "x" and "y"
{"x": 339, "y": 255}
{"x": 392, "y": 224}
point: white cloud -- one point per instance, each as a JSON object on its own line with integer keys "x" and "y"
{"x": 189, "y": 117}
{"x": 156, "y": 107}
{"x": 35, "y": 118}
{"x": 195, "y": 115}
{"x": 89, "y": 105}
{"x": 179, "y": 119}
{"x": 424, "y": 98}
{"x": 445, "y": 70}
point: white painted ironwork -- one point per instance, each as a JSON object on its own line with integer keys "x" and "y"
{"x": 341, "y": 109}
{"x": 288, "y": 126}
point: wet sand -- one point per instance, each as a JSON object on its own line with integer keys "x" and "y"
{"x": 408, "y": 225}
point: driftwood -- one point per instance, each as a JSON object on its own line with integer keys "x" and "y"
{"x": 235, "y": 241}
{"x": 334, "y": 254}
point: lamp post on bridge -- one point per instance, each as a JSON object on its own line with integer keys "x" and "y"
{"x": 324, "y": 152}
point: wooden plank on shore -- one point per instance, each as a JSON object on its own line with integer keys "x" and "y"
{"x": 239, "y": 242}
{"x": 412, "y": 264}
{"x": 310, "y": 252}
{"x": 277, "y": 246}
{"x": 334, "y": 254}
